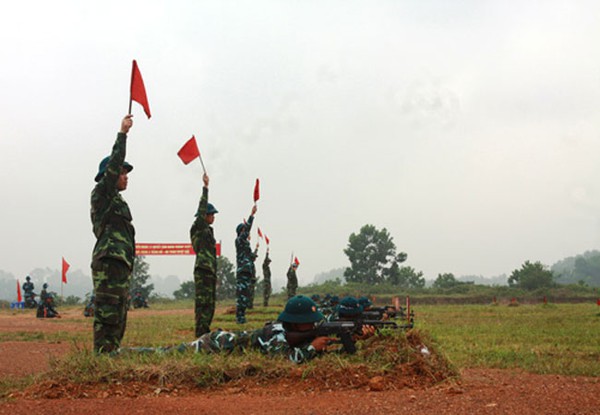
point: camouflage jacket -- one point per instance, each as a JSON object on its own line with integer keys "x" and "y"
{"x": 291, "y": 277}
{"x": 266, "y": 269}
{"x": 269, "y": 340}
{"x": 244, "y": 256}
{"x": 28, "y": 287}
{"x": 203, "y": 239}
{"x": 111, "y": 218}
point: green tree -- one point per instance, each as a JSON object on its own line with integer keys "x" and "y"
{"x": 372, "y": 255}
{"x": 446, "y": 280}
{"x": 186, "y": 291}
{"x": 225, "y": 279}
{"x": 405, "y": 277}
{"x": 139, "y": 276}
{"x": 531, "y": 277}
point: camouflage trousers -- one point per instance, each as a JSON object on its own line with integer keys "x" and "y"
{"x": 242, "y": 291}
{"x": 111, "y": 284}
{"x": 291, "y": 288}
{"x": 205, "y": 283}
{"x": 266, "y": 292}
{"x": 223, "y": 341}
{"x": 251, "y": 292}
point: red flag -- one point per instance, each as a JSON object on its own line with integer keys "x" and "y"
{"x": 19, "y": 296}
{"x": 296, "y": 261}
{"x": 218, "y": 248}
{"x": 266, "y": 239}
{"x": 65, "y": 268}
{"x": 256, "y": 191}
{"x": 260, "y": 235}
{"x": 138, "y": 91}
{"x": 189, "y": 151}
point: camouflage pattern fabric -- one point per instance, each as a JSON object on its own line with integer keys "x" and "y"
{"x": 270, "y": 340}
{"x": 242, "y": 291}
{"x": 253, "y": 280}
{"x": 292, "y": 282}
{"x": 111, "y": 218}
{"x": 205, "y": 300}
{"x": 46, "y": 310}
{"x": 28, "y": 288}
{"x": 43, "y": 295}
{"x": 267, "y": 280}
{"x": 113, "y": 255}
{"x": 111, "y": 285}
{"x": 244, "y": 271}
{"x": 205, "y": 267}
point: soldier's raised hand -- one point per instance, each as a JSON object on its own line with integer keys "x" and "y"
{"x": 205, "y": 179}
{"x": 126, "y": 123}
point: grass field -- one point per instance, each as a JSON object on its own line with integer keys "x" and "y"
{"x": 547, "y": 339}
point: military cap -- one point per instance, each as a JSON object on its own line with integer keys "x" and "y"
{"x": 104, "y": 165}
{"x": 300, "y": 309}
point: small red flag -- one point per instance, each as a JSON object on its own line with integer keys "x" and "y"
{"x": 19, "y": 296}
{"x": 266, "y": 239}
{"x": 260, "y": 235}
{"x": 218, "y": 248}
{"x": 138, "y": 90}
{"x": 296, "y": 261}
{"x": 256, "y": 191}
{"x": 189, "y": 151}
{"x": 65, "y": 268}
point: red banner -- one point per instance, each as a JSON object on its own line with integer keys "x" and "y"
{"x": 169, "y": 249}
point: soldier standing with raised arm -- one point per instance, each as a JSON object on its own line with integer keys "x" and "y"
{"x": 267, "y": 279}
{"x": 205, "y": 268}
{"x": 245, "y": 266}
{"x": 114, "y": 252}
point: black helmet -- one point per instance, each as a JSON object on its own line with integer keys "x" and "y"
{"x": 28, "y": 278}
{"x": 300, "y": 309}
{"x": 240, "y": 228}
{"x": 45, "y": 285}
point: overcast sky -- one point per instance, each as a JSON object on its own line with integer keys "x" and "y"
{"x": 470, "y": 130}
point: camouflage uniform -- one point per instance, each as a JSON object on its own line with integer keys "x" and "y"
{"x": 46, "y": 309}
{"x": 253, "y": 280}
{"x": 28, "y": 293}
{"x": 270, "y": 340}
{"x": 114, "y": 253}
{"x": 292, "y": 282}
{"x": 267, "y": 280}
{"x": 205, "y": 268}
{"x": 245, "y": 270}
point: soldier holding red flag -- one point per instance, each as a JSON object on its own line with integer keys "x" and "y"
{"x": 205, "y": 268}
{"x": 114, "y": 252}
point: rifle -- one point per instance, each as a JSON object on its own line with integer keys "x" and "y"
{"x": 343, "y": 329}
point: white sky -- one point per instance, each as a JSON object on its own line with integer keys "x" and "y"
{"x": 469, "y": 129}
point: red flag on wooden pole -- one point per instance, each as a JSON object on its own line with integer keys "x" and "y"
{"x": 19, "y": 296}
{"x": 65, "y": 268}
{"x": 260, "y": 235}
{"x": 218, "y": 248}
{"x": 256, "y": 191}
{"x": 137, "y": 91}
{"x": 189, "y": 151}
{"x": 296, "y": 262}
{"x": 266, "y": 239}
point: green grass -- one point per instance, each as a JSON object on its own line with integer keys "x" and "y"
{"x": 555, "y": 338}
{"x": 547, "y": 339}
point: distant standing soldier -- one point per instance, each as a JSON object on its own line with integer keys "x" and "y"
{"x": 44, "y": 293}
{"x": 267, "y": 279}
{"x": 292, "y": 280}
{"x": 245, "y": 265}
{"x": 28, "y": 293}
{"x": 254, "y": 279}
{"x": 114, "y": 252}
{"x": 205, "y": 268}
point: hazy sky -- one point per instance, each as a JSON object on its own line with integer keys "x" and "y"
{"x": 469, "y": 129}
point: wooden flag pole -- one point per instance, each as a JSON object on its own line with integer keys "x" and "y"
{"x": 201, "y": 162}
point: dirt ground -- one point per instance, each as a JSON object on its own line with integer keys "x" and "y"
{"x": 479, "y": 391}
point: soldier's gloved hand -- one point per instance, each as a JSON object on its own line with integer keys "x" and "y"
{"x": 321, "y": 343}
